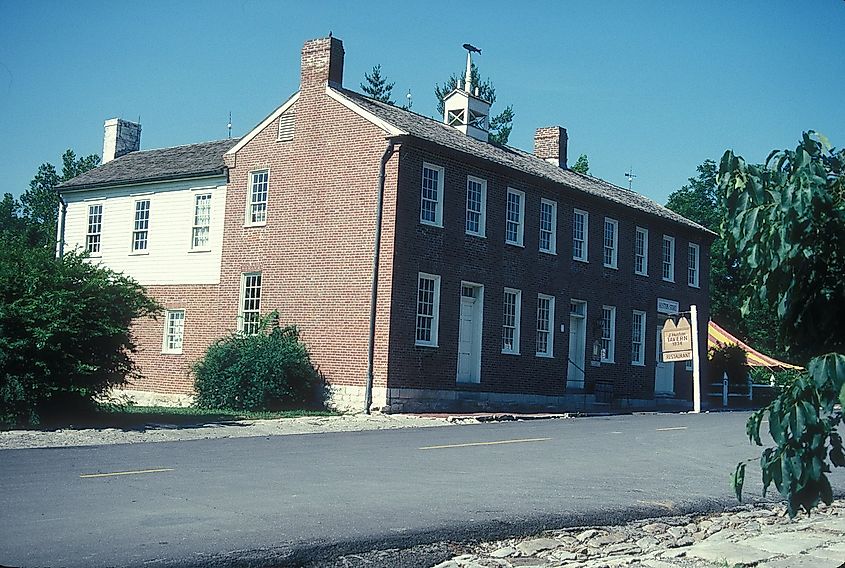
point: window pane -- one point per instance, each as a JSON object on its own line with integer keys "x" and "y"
{"x": 430, "y": 195}
{"x": 474, "y": 206}
{"x": 513, "y": 217}
{"x": 142, "y": 224}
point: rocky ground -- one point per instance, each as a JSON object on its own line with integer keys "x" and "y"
{"x": 17, "y": 439}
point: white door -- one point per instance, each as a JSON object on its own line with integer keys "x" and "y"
{"x": 664, "y": 373}
{"x": 577, "y": 345}
{"x": 469, "y": 334}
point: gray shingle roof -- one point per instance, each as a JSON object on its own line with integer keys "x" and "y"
{"x": 435, "y": 131}
{"x": 178, "y": 162}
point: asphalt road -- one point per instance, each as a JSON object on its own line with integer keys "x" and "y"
{"x": 286, "y": 499}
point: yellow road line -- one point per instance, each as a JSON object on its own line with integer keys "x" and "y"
{"x": 675, "y": 428}
{"x": 485, "y": 443}
{"x": 116, "y": 473}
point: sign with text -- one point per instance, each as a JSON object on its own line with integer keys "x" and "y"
{"x": 669, "y": 307}
{"x": 677, "y": 340}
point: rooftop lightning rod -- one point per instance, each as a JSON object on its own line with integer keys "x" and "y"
{"x": 630, "y": 175}
{"x": 229, "y": 126}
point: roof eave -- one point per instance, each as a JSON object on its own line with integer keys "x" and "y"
{"x": 137, "y": 181}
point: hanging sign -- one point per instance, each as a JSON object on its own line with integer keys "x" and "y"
{"x": 677, "y": 340}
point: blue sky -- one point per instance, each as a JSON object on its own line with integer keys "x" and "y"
{"x": 660, "y": 86}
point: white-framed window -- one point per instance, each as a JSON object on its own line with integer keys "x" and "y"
{"x": 580, "y": 226}
{"x": 431, "y": 195}
{"x": 641, "y": 252}
{"x": 201, "y": 230}
{"x": 638, "y": 338}
{"x": 692, "y": 271}
{"x": 93, "y": 237}
{"x": 515, "y": 217}
{"x": 141, "y": 228}
{"x": 428, "y": 309}
{"x": 250, "y": 304}
{"x": 511, "y": 314}
{"x": 476, "y": 206}
{"x": 668, "y": 258}
{"x": 259, "y": 186}
{"x": 174, "y": 331}
{"x": 545, "y": 323}
{"x": 611, "y": 241}
{"x": 608, "y": 334}
{"x": 548, "y": 226}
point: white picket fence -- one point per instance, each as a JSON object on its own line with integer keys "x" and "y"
{"x": 725, "y": 394}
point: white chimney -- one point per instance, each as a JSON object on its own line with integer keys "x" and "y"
{"x": 120, "y": 137}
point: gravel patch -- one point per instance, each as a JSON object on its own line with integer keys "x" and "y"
{"x": 20, "y": 439}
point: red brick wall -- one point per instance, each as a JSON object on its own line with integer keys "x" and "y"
{"x": 166, "y": 372}
{"x": 315, "y": 252}
{"x": 455, "y": 256}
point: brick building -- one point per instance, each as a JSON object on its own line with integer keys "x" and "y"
{"x": 504, "y": 278}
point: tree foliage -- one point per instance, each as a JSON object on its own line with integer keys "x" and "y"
{"x": 64, "y": 330}
{"x": 501, "y": 124}
{"x": 699, "y": 201}
{"x": 786, "y": 223}
{"x": 271, "y": 370}
{"x": 377, "y": 87}
{"x": 37, "y": 213}
{"x": 582, "y": 165}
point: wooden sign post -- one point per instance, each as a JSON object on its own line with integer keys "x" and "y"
{"x": 680, "y": 343}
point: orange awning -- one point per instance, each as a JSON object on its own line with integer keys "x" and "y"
{"x": 716, "y": 336}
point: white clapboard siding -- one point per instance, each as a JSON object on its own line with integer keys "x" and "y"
{"x": 168, "y": 258}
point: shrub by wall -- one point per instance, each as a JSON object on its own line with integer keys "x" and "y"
{"x": 64, "y": 331}
{"x": 271, "y": 370}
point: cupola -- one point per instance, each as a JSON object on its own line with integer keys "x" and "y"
{"x": 466, "y": 111}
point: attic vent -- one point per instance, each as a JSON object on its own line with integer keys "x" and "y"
{"x": 286, "y": 124}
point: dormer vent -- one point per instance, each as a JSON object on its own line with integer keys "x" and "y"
{"x": 465, "y": 111}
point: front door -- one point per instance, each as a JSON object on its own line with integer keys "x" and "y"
{"x": 469, "y": 333}
{"x": 577, "y": 344}
{"x": 664, "y": 373}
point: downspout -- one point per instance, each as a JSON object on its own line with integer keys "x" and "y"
{"x": 371, "y": 345}
{"x": 62, "y": 216}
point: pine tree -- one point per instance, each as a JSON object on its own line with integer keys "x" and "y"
{"x": 377, "y": 87}
{"x": 582, "y": 165}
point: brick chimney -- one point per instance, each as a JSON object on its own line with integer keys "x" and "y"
{"x": 119, "y": 138}
{"x": 550, "y": 144}
{"x": 322, "y": 62}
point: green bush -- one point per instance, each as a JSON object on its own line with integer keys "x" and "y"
{"x": 64, "y": 331}
{"x": 267, "y": 371}
{"x": 730, "y": 359}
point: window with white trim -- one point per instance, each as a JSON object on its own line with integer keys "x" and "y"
{"x": 428, "y": 309}
{"x": 174, "y": 330}
{"x": 641, "y": 252}
{"x": 140, "y": 231}
{"x": 476, "y": 206}
{"x": 431, "y": 195}
{"x": 638, "y": 338}
{"x": 259, "y": 186}
{"x": 515, "y": 217}
{"x": 95, "y": 228}
{"x": 608, "y": 334}
{"x": 668, "y": 258}
{"x": 580, "y": 223}
{"x": 545, "y": 322}
{"x": 548, "y": 226}
{"x": 250, "y": 304}
{"x": 692, "y": 270}
{"x": 611, "y": 241}
{"x": 511, "y": 311}
{"x": 201, "y": 229}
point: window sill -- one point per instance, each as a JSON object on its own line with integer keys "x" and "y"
{"x": 171, "y": 352}
{"x": 645, "y": 274}
{"x": 696, "y": 286}
{"x": 510, "y": 352}
{"x": 515, "y": 244}
{"x": 431, "y": 224}
{"x": 607, "y": 362}
{"x": 95, "y": 255}
{"x": 191, "y": 251}
{"x": 432, "y": 345}
{"x": 139, "y": 253}
{"x": 584, "y": 260}
{"x": 252, "y": 225}
{"x": 551, "y": 252}
{"x": 545, "y": 355}
{"x": 611, "y": 266}
{"x": 477, "y": 235}
{"x": 635, "y": 364}
{"x": 672, "y": 281}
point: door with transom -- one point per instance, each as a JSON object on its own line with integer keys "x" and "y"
{"x": 577, "y": 344}
{"x": 469, "y": 333}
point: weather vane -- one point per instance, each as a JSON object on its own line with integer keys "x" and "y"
{"x": 630, "y": 175}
